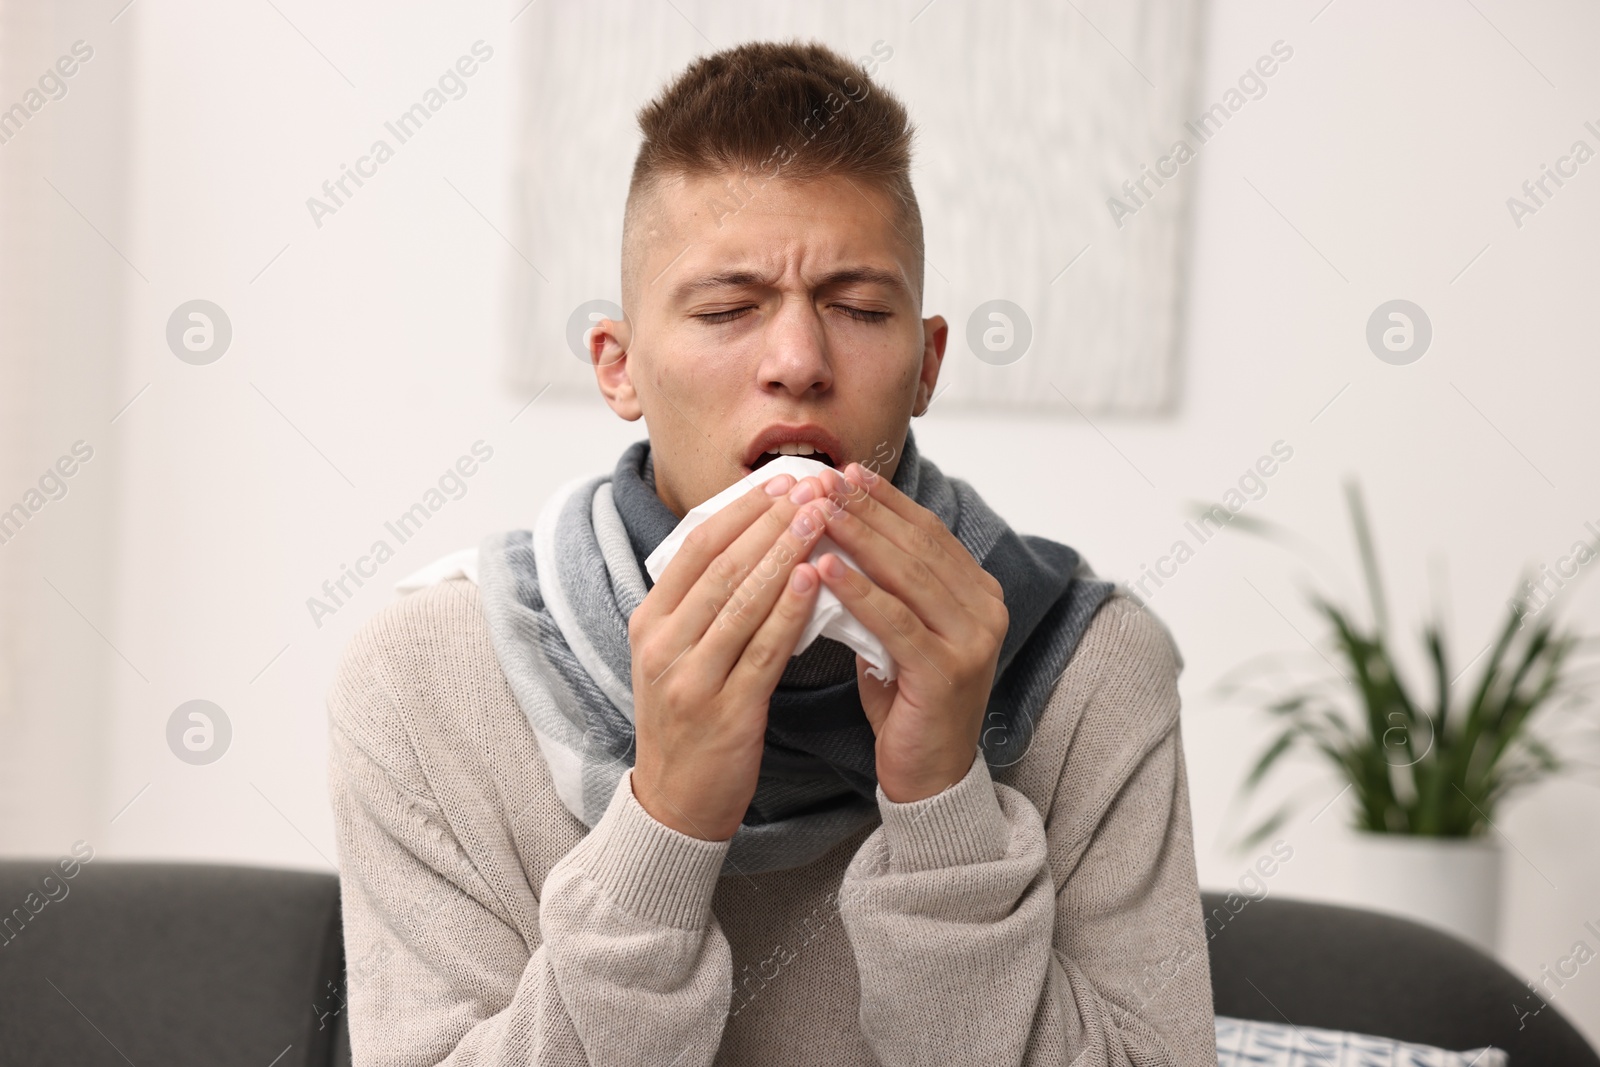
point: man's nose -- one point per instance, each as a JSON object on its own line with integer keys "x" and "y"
{"x": 795, "y": 359}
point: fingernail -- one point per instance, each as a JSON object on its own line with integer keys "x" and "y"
{"x": 803, "y": 492}
{"x": 801, "y": 580}
{"x": 804, "y": 523}
{"x": 779, "y": 485}
{"x": 863, "y": 475}
{"x": 832, "y": 566}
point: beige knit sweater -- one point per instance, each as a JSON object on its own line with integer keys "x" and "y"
{"x": 1045, "y": 915}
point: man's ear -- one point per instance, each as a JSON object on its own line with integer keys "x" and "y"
{"x": 935, "y": 332}
{"x": 608, "y": 350}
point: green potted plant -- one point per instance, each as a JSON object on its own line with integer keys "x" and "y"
{"x": 1429, "y": 766}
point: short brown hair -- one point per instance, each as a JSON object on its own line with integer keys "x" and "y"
{"x": 800, "y": 111}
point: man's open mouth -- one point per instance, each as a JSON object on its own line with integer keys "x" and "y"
{"x": 793, "y": 450}
{"x": 807, "y": 439}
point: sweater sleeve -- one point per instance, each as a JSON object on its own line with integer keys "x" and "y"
{"x": 625, "y": 963}
{"x": 986, "y": 933}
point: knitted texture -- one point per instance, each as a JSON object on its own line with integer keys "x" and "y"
{"x": 1045, "y": 913}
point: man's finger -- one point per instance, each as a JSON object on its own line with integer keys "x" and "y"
{"x": 709, "y": 540}
{"x": 762, "y": 662}
{"x": 753, "y": 601}
{"x": 883, "y": 492}
{"x": 914, "y": 575}
{"x": 922, "y": 536}
{"x": 723, "y": 576}
{"x": 904, "y": 636}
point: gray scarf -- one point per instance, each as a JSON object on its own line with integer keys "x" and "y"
{"x": 557, "y": 600}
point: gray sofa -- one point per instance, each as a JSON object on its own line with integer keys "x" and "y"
{"x": 177, "y": 964}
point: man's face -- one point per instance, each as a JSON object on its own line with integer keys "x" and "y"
{"x": 791, "y": 320}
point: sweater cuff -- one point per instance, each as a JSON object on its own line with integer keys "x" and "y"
{"x": 960, "y": 826}
{"x": 650, "y": 869}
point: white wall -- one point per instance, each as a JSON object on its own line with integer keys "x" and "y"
{"x": 1389, "y": 142}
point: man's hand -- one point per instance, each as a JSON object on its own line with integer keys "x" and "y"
{"x": 940, "y": 615}
{"x": 710, "y": 642}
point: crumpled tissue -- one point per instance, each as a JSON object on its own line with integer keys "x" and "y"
{"x": 829, "y": 617}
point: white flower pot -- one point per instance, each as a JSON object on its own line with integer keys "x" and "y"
{"x": 1449, "y": 882}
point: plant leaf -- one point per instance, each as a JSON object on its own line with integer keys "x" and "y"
{"x": 1369, "y": 556}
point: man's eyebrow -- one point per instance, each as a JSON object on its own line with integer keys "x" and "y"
{"x": 865, "y": 275}
{"x": 727, "y": 279}
{"x": 734, "y": 279}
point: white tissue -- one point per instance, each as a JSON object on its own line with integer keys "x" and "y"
{"x": 829, "y": 617}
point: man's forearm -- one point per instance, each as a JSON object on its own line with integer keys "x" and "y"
{"x": 955, "y": 919}
{"x": 645, "y": 971}
{"x": 628, "y": 967}
{"x": 950, "y": 909}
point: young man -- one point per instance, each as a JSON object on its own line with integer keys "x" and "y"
{"x": 588, "y": 819}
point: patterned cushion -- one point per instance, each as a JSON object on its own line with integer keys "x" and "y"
{"x": 1246, "y": 1043}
